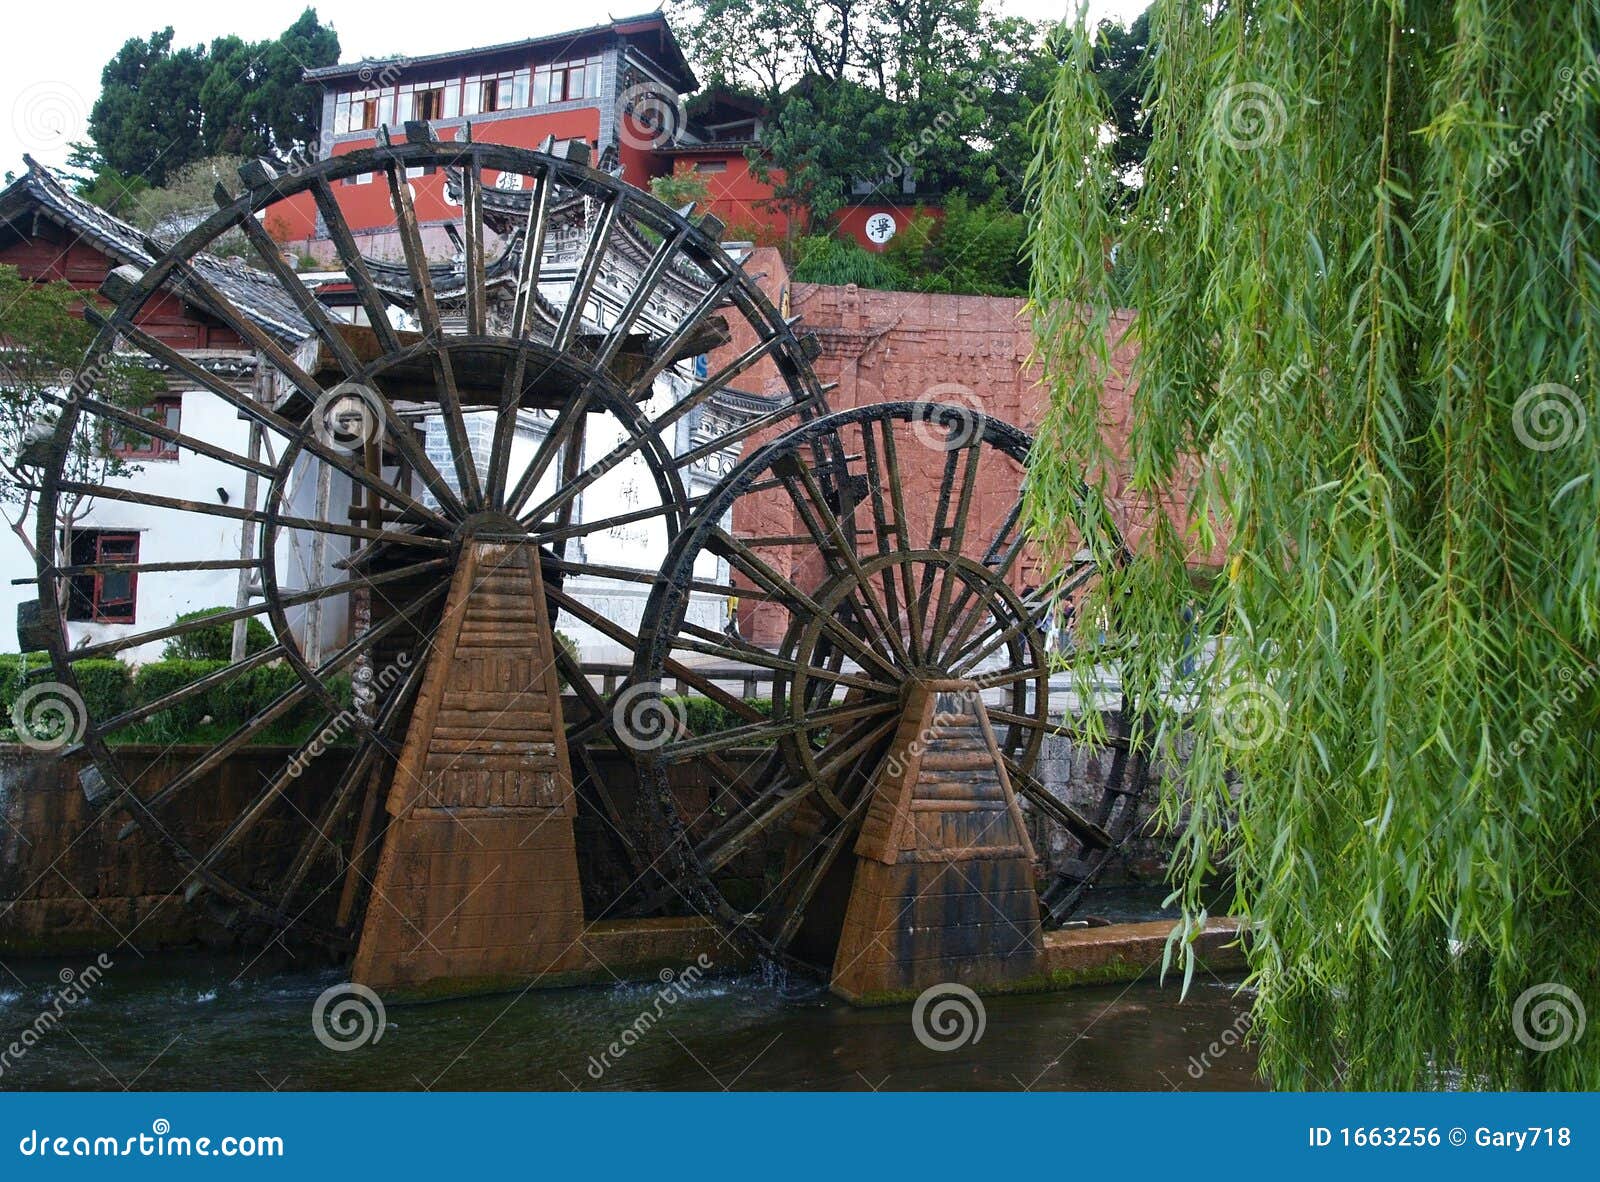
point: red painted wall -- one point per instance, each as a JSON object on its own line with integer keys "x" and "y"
{"x": 366, "y": 207}
{"x": 737, "y": 196}
{"x": 54, "y": 254}
{"x": 852, "y": 219}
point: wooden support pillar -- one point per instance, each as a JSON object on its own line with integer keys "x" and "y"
{"x": 943, "y": 888}
{"x": 477, "y": 888}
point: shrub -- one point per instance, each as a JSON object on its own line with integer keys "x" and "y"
{"x": 707, "y": 717}
{"x": 823, "y": 258}
{"x": 214, "y": 643}
{"x": 105, "y": 684}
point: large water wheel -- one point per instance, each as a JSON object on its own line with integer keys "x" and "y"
{"x": 889, "y": 590}
{"x": 469, "y": 409}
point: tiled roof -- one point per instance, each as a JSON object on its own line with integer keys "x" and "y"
{"x": 257, "y": 294}
{"x": 368, "y": 68}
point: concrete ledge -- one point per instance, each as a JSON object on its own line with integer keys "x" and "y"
{"x": 1129, "y": 951}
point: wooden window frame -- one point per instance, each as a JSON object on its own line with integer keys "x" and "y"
{"x": 86, "y": 602}
{"x": 152, "y": 448}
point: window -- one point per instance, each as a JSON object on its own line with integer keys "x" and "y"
{"x": 560, "y": 82}
{"x": 133, "y": 445}
{"x": 105, "y": 597}
{"x": 429, "y": 104}
{"x": 711, "y": 166}
{"x": 506, "y": 91}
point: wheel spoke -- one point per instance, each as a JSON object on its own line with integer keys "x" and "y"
{"x": 455, "y": 425}
{"x": 372, "y": 301}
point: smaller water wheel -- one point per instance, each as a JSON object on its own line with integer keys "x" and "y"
{"x": 887, "y": 589}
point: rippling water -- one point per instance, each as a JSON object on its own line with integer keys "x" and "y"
{"x": 183, "y": 1022}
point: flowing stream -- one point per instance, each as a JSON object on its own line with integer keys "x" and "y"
{"x": 214, "y": 1023}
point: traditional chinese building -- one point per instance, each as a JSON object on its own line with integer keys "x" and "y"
{"x": 617, "y": 91}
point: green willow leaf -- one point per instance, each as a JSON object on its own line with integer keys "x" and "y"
{"x": 1368, "y": 312}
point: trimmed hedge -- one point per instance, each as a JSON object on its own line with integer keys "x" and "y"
{"x": 107, "y": 684}
{"x": 110, "y": 687}
{"x": 706, "y": 717}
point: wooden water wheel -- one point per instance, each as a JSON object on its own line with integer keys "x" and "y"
{"x": 485, "y": 396}
{"x": 888, "y": 590}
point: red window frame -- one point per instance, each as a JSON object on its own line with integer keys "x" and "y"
{"x": 149, "y": 447}
{"x": 87, "y": 599}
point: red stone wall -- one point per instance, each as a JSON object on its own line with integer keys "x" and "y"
{"x": 892, "y": 346}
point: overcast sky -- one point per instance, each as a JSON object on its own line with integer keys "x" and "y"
{"x": 52, "y": 53}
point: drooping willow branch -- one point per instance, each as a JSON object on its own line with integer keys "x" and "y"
{"x": 1365, "y": 275}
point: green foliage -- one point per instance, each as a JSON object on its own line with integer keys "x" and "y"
{"x": 106, "y": 685}
{"x": 91, "y": 178}
{"x": 161, "y": 107}
{"x": 1366, "y": 304}
{"x": 569, "y": 647}
{"x": 45, "y": 337}
{"x": 186, "y": 200}
{"x": 706, "y": 717}
{"x": 971, "y": 250}
{"x": 681, "y": 187}
{"x": 214, "y": 643}
{"x": 866, "y": 91}
{"x": 827, "y": 259}
{"x": 211, "y": 716}
{"x": 109, "y": 687}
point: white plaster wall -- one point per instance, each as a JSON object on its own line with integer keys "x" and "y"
{"x": 165, "y": 535}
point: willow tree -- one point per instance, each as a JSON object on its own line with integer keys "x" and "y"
{"x": 1368, "y": 303}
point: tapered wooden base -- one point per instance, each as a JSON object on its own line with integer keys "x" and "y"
{"x": 943, "y": 888}
{"x": 477, "y": 885}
